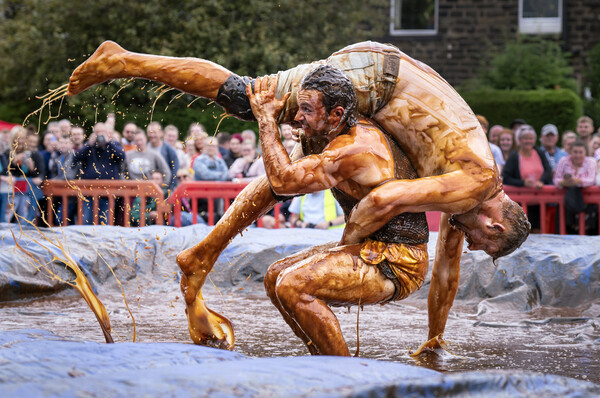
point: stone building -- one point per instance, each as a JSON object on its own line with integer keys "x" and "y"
{"x": 456, "y": 36}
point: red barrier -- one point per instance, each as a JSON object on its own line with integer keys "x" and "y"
{"x": 210, "y": 190}
{"x": 111, "y": 189}
{"x": 551, "y": 195}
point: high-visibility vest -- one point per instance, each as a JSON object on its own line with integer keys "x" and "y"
{"x": 329, "y": 209}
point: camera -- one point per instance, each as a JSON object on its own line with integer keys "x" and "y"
{"x": 101, "y": 140}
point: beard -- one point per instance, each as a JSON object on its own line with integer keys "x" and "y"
{"x": 313, "y": 145}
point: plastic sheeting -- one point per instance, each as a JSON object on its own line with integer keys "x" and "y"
{"x": 548, "y": 270}
{"x": 35, "y": 363}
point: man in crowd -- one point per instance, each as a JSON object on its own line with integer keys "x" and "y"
{"x": 585, "y": 128}
{"x": 99, "y": 159}
{"x": 143, "y": 161}
{"x": 494, "y": 134}
{"x": 549, "y": 140}
{"x": 77, "y": 137}
{"x": 172, "y": 138}
{"x": 156, "y": 142}
{"x": 317, "y": 210}
{"x": 129, "y": 131}
{"x": 249, "y": 166}
{"x": 209, "y": 166}
{"x": 223, "y": 138}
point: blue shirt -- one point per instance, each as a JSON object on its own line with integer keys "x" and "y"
{"x": 555, "y": 157}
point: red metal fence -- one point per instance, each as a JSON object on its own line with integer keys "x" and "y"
{"x": 549, "y": 198}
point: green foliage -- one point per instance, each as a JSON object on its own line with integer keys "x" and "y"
{"x": 560, "y": 107}
{"x": 530, "y": 64}
{"x": 43, "y": 41}
{"x": 592, "y": 81}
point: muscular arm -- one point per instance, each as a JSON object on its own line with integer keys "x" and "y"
{"x": 455, "y": 193}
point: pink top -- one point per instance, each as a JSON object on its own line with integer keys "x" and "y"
{"x": 587, "y": 171}
{"x": 531, "y": 168}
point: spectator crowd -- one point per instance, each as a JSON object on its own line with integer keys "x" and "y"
{"x": 573, "y": 165}
{"x": 156, "y": 153}
{"x": 164, "y": 155}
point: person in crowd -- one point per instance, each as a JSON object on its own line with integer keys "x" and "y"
{"x": 249, "y": 135}
{"x": 143, "y": 160}
{"x": 195, "y": 142}
{"x": 551, "y": 151}
{"x": 61, "y": 164}
{"x": 585, "y": 128}
{"x": 129, "y": 131}
{"x": 183, "y": 175}
{"x": 53, "y": 128}
{"x": 595, "y": 145}
{"x": 64, "y": 127}
{"x": 209, "y": 166}
{"x": 515, "y": 124}
{"x": 4, "y": 180}
{"x": 317, "y": 210}
{"x": 156, "y": 142}
{"x": 172, "y": 138}
{"x": 527, "y": 167}
{"x": 49, "y": 144}
{"x": 574, "y": 172}
{"x": 496, "y": 151}
{"x": 223, "y": 138}
{"x": 28, "y": 170}
{"x": 151, "y": 214}
{"x": 576, "y": 169}
{"x": 507, "y": 143}
{"x": 287, "y": 137}
{"x": 567, "y": 141}
{"x": 235, "y": 149}
{"x": 77, "y": 138}
{"x": 494, "y": 134}
{"x": 99, "y": 159}
{"x": 249, "y": 166}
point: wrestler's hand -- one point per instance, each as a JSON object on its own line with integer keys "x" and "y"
{"x": 436, "y": 343}
{"x": 265, "y": 105}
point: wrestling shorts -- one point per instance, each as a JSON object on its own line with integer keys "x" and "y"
{"x": 405, "y": 265}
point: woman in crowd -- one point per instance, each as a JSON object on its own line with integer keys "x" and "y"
{"x": 574, "y": 172}
{"x": 527, "y": 167}
{"x": 507, "y": 143}
{"x": 235, "y": 149}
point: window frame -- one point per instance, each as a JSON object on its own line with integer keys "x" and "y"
{"x": 413, "y": 32}
{"x": 543, "y": 25}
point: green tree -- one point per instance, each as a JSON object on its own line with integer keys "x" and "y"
{"x": 530, "y": 64}
{"x": 44, "y": 40}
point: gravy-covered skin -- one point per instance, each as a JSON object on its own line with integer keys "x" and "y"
{"x": 432, "y": 124}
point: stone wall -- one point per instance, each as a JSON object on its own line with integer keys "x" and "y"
{"x": 470, "y": 30}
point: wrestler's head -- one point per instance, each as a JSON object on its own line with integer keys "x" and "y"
{"x": 498, "y": 226}
{"x": 326, "y": 101}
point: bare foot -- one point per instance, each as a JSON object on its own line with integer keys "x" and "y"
{"x": 106, "y": 63}
{"x": 206, "y": 327}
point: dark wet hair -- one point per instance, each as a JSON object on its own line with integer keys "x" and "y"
{"x": 516, "y": 232}
{"x": 336, "y": 89}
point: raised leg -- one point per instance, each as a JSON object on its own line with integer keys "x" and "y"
{"x": 334, "y": 277}
{"x": 111, "y": 61}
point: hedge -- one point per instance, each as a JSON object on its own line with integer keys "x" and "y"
{"x": 560, "y": 107}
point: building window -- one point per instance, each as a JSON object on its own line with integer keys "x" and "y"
{"x": 414, "y": 17}
{"x": 540, "y": 16}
